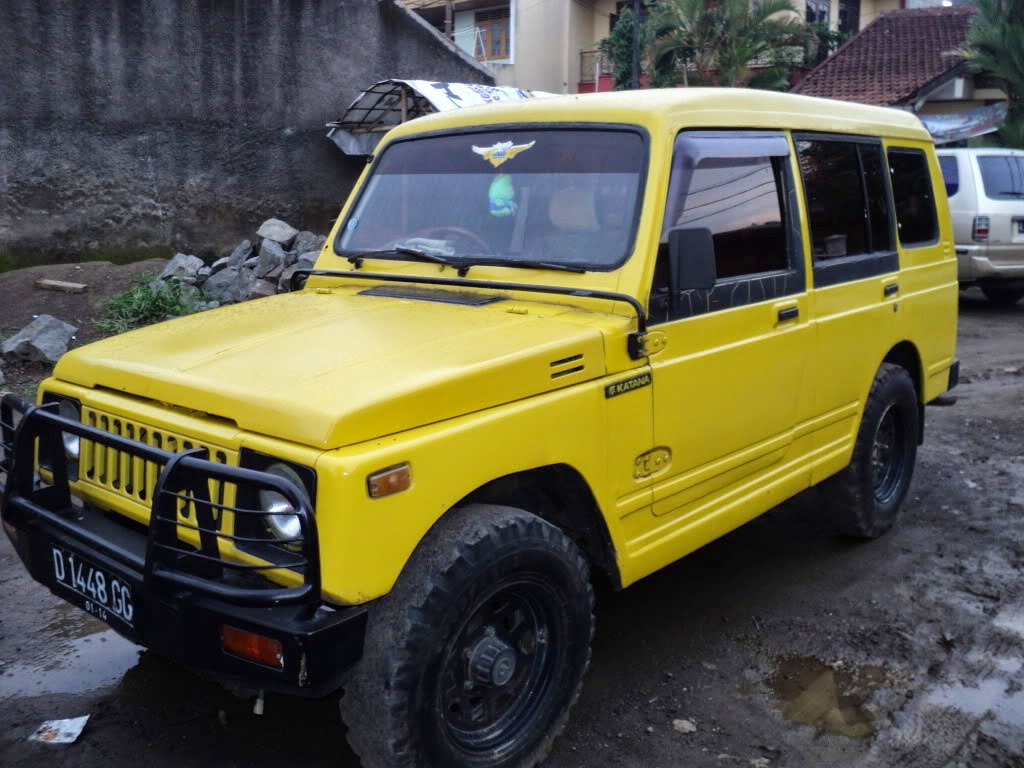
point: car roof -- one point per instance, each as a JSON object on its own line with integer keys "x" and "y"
{"x": 979, "y": 151}
{"x": 684, "y": 107}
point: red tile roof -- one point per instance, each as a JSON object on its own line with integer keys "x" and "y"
{"x": 893, "y": 57}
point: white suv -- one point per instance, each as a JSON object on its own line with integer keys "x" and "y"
{"x": 986, "y": 199}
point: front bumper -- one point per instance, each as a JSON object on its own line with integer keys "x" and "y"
{"x": 182, "y": 595}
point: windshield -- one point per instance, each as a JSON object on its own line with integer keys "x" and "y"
{"x": 519, "y": 197}
{"x": 1003, "y": 176}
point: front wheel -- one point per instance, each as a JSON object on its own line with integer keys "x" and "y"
{"x": 477, "y": 654}
{"x": 865, "y": 498}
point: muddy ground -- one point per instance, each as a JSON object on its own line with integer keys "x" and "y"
{"x": 783, "y": 644}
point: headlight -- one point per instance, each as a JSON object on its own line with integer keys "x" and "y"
{"x": 72, "y": 444}
{"x": 280, "y": 514}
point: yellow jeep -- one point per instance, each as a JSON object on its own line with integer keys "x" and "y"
{"x": 546, "y": 342}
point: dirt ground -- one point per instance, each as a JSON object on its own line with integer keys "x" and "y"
{"x": 781, "y": 644}
{"x": 21, "y": 301}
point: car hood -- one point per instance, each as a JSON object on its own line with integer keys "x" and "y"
{"x": 333, "y": 368}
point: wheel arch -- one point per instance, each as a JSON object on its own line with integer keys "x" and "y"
{"x": 559, "y": 494}
{"x": 905, "y": 355}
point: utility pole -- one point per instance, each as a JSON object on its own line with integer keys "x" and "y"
{"x": 636, "y": 44}
{"x": 449, "y": 15}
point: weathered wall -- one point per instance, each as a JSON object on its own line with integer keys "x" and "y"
{"x": 134, "y": 123}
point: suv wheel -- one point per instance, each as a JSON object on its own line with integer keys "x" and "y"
{"x": 478, "y": 653}
{"x": 1002, "y": 295}
{"x": 865, "y": 497}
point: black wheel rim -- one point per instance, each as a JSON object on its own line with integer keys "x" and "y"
{"x": 887, "y": 465}
{"x": 497, "y": 673}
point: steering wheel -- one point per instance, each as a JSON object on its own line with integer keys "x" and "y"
{"x": 467, "y": 234}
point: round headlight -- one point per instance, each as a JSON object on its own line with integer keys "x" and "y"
{"x": 280, "y": 514}
{"x": 72, "y": 445}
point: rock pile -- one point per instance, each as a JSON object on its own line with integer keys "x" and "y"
{"x": 253, "y": 270}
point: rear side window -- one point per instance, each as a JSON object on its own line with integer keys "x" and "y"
{"x": 950, "y": 174}
{"x": 1002, "y": 176}
{"x": 913, "y": 197}
{"x": 847, "y": 202}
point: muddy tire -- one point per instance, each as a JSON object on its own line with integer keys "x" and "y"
{"x": 865, "y": 498}
{"x": 478, "y": 653}
{"x": 1002, "y": 295}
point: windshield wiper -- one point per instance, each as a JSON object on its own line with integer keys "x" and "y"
{"x": 356, "y": 259}
{"x": 472, "y": 261}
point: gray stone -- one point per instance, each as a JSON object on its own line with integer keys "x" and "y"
{"x": 45, "y": 339}
{"x": 307, "y": 241}
{"x": 278, "y": 231}
{"x": 284, "y": 282}
{"x": 203, "y": 275}
{"x": 251, "y": 263}
{"x": 272, "y": 256}
{"x": 220, "y": 287}
{"x": 210, "y": 305}
{"x": 182, "y": 267}
{"x": 240, "y": 254}
{"x": 261, "y": 289}
{"x": 1, "y": 377}
{"x": 244, "y": 285}
{"x": 274, "y": 274}
{"x": 220, "y": 264}
{"x": 307, "y": 260}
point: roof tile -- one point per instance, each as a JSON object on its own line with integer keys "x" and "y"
{"x": 892, "y": 57}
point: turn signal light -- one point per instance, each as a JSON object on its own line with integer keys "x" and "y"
{"x": 249, "y": 645}
{"x": 389, "y": 481}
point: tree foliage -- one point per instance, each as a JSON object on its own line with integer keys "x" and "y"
{"x": 617, "y": 48}
{"x": 995, "y": 44}
{"x": 728, "y": 43}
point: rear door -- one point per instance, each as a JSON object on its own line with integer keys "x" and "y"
{"x": 855, "y": 272}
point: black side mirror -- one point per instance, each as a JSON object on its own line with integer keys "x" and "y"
{"x": 691, "y": 259}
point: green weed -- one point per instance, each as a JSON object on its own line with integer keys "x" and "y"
{"x": 148, "y": 301}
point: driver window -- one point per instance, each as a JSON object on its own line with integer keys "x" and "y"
{"x": 738, "y": 188}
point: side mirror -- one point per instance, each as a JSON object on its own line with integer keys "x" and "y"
{"x": 691, "y": 259}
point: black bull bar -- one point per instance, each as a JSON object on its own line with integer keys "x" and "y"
{"x": 186, "y": 592}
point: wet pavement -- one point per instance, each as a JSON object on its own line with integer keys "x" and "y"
{"x": 783, "y": 644}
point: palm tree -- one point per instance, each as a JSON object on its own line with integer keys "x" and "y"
{"x": 721, "y": 41}
{"x": 995, "y": 44}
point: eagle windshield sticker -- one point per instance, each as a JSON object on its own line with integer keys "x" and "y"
{"x": 497, "y": 154}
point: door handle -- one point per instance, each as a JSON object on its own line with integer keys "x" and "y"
{"x": 789, "y": 313}
{"x": 891, "y": 288}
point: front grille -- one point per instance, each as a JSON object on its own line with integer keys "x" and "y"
{"x": 134, "y": 478}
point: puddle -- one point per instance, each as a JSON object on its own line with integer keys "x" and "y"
{"x": 830, "y": 699}
{"x": 71, "y": 623}
{"x": 1005, "y": 703}
{"x": 84, "y": 664}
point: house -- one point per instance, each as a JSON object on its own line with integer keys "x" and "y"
{"x": 907, "y": 58}
{"x": 551, "y": 45}
{"x": 541, "y": 45}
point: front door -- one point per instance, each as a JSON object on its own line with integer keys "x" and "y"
{"x": 729, "y": 389}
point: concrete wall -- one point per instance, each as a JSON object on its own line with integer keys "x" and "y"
{"x": 127, "y": 124}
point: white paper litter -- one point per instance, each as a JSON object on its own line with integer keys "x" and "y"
{"x": 60, "y": 731}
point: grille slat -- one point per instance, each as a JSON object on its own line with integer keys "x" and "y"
{"x": 132, "y": 477}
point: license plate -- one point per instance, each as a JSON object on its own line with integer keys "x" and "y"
{"x": 99, "y": 592}
{"x": 1020, "y": 226}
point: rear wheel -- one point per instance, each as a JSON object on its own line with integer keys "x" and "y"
{"x": 477, "y": 654}
{"x": 865, "y": 498}
{"x": 1002, "y": 295}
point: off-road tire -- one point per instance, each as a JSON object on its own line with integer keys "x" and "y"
{"x": 1002, "y": 295}
{"x": 864, "y": 502}
{"x": 474, "y": 557}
